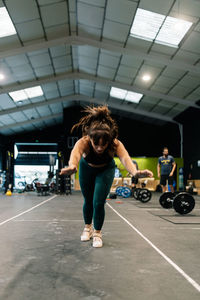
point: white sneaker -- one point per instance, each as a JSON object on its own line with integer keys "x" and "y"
{"x": 97, "y": 240}
{"x": 87, "y": 234}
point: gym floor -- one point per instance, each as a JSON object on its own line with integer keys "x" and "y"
{"x": 148, "y": 253}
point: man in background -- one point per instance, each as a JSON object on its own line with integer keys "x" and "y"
{"x": 165, "y": 169}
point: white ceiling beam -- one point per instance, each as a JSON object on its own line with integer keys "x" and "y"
{"x": 136, "y": 89}
{"x": 36, "y": 120}
{"x": 37, "y": 46}
{"x": 110, "y": 46}
{"x": 105, "y": 81}
{"x": 138, "y": 53}
{"x": 77, "y": 98}
{"x": 127, "y": 108}
{"x": 43, "y": 80}
{"x": 37, "y": 104}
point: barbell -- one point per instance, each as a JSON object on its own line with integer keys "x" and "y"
{"x": 183, "y": 203}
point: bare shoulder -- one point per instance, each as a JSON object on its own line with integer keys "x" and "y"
{"x": 120, "y": 149}
{"x": 83, "y": 143}
{"x": 84, "y": 140}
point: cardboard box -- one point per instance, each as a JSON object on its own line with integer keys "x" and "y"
{"x": 151, "y": 183}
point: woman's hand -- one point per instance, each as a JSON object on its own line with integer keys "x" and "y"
{"x": 69, "y": 170}
{"x": 143, "y": 173}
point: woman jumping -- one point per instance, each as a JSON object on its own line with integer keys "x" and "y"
{"x": 95, "y": 152}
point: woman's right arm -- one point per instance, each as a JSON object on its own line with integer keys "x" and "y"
{"x": 127, "y": 162}
{"x": 75, "y": 156}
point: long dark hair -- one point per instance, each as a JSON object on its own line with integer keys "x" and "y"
{"x": 98, "y": 124}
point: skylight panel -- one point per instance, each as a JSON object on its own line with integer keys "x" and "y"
{"x": 18, "y": 95}
{"x": 133, "y": 97}
{"x": 26, "y": 93}
{"x": 118, "y": 93}
{"x": 146, "y": 24}
{"x": 163, "y": 30}
{"x": 173, "y": 31}
{"x": 6, "y": 26}
{"x": 125, "y": 95}
{"x": 34, "y": 92}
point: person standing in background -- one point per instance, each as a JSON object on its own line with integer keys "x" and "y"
{"x": 165, "y": 169}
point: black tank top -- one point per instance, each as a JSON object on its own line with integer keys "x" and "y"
{"x": 98, "y": 159}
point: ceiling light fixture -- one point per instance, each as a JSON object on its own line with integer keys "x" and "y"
{"x": 146, "y": 77}
{"x": 1, "y": 76}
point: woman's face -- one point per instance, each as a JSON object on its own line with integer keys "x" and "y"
{"x": 100, "y": 148}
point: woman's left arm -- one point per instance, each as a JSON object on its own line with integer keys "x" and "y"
{"x": 125, "y": 159}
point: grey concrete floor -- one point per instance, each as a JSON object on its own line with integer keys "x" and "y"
{"x": 148, "y": 253}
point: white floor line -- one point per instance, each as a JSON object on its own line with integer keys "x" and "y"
{"x": 180, "y": 228}
{"x": 147, "y": 209}
{"x": 58, "y": 220}
{"x": 28, "y": 210}
{"x": 174, "y": 265}
{"x": 52, "y": 220}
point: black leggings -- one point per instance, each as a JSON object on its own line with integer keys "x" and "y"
{"x": 95, "y": 185}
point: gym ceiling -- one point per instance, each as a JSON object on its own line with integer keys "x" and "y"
{"x": 75, "y": 52}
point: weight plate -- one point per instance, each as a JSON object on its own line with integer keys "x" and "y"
{"x": 144, "y": 195}
{"x": 113, "y": 195}
{"x": 126, "y": 192}
{"x": 183, "y": 203}
{"x": 119, "y": 190}
{"x": 135, "y": 193}
{"x": 166, "y": 199}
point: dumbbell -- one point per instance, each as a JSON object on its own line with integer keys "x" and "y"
{"x": 183, "y": 203}
{"x": 143, "y": 195}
